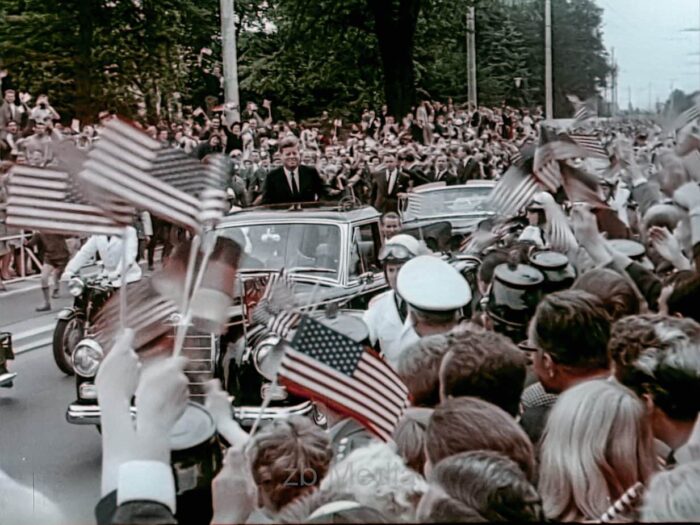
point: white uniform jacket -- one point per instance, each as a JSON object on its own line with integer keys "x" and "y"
{"x": 110, "y": 251}
{"x": 383, "y": 319}
{"x": 406, "y": 336}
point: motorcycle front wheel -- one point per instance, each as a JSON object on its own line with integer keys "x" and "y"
{"x": 66, "y": 335}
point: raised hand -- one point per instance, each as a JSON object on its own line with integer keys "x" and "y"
{"x": 234, "y": 492}
{"x": 116, "y": 383}
{"x": 668, "y": 247}
{"x": 161, "y": 398}
{"x": 118, "y": 375}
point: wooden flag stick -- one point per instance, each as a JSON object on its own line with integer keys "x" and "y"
{"x": 122, "y": 292}
{"x": 194, "y": 250}
{"x": 187, "y": 312}
{"x": 263, "y": 407}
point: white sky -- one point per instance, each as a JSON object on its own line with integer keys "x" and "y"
{"x": 651, "y": 47}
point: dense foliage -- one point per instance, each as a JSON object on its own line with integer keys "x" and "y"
{"x": 304, "y": 55}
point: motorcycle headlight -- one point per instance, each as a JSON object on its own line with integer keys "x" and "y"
{"x": 87, "y": 357}
{"x": 267, "y": 357}
{"x": 76, "y": 286}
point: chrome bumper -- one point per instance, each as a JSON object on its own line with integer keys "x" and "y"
{"x": 86, "y": 414}
{"x": 246, "y": 415}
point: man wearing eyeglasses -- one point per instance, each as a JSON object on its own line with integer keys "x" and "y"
{"x": 568, "y": 340}
{"x": 388, "y": 311}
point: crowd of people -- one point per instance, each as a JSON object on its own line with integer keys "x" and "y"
{"x": 560, "y": 382}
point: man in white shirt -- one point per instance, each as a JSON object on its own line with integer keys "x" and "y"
{"x": 110, "y": 250}
{"x": 388, "y": 311}
{"x": 435, "y": 293}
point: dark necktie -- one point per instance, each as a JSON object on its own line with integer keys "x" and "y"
{"x": 295, "y": 188}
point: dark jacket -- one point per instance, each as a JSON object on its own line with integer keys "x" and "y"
{"x": 469, "y": 171}
{"x": 54, "y": 248}
{"x": 135, "y": 512}
{"x": 448, "y": 177}
{"x": 381, "y": 199}
{"x": 276, "y": 188}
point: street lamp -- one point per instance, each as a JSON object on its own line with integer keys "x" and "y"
{"x": 520, "y": 93}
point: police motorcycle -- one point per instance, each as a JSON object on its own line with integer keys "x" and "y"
{"x": 74, "y": 322}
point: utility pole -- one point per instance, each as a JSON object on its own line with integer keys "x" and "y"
{"x": 471, "y": 58}
{"x": 548, "y": 88}
{"x": 230, "y": 59}
{"x": 650, "y": 106}
{"x": 613, "y": 110}
{"x": 629, "y": 97}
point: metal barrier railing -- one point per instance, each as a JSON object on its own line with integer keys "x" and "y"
{"x": 24, "y": 253}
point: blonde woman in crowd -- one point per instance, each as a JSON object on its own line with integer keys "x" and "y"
{"x": 377, "y": 477}
{"x": 596, "y": 445}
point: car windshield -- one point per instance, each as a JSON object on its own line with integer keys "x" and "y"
{"x": 298, "y": 248}
{"x": 448, "y": 202}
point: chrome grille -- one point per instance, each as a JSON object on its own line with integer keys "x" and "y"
{"x": 200, "y": 349}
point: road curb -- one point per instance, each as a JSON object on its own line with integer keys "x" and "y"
{"x": 34, "y": 345}
{"x": 32, "y": 339}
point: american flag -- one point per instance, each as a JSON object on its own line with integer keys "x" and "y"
{"x": 583, "y": 111}
{"x": 580, "y": 186}
{"x": 559, "y": 234}
{"x": 327, "y": 366}
{"x": 553, "y": 148}
{"x": 591, "y": 143}
{"x": 118, "y": 170}
{"x": 283, "y": 323}
{"x": 187, "y": 174}
{"x": 689, "y": 115}
{"x": 278, "y": 282}
{"x": 275, "y": 325}
{"x": 149, "y": 315}
{"x": 513, "y": 191}
{"x": 50, "y": 201}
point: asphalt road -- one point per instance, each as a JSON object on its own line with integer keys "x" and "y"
{"x": 39, "y": 448}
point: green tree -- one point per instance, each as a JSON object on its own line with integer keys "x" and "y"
{"x": 91, "y": 55}
{"x": 579, "y": 60}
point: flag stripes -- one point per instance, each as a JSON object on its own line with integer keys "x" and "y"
{"x": 119, "y": 168}
{"x": 583, "y": 110}
{"x": 689, "y": 115}
{"x": 513, "y": 192}
{"x": 549, "y": 175}
{"x": 149, "y": 315}
{"x": 590, "y": 143}
{"x": 49, "y": 201}
{"x": 325, "y": 365}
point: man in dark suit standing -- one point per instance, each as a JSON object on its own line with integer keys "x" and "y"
{"x": 11, "y": 112}
{"x": 443, "y": 172}
{"x": 292, "y": 183}
{"x": 387, "y": 185}
{"x": 467, "y": 165}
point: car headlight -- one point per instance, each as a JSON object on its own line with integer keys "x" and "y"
{"x": 87, "y": 357}
{"x": 267, "y": 357}
{"x": 76, "y": 286}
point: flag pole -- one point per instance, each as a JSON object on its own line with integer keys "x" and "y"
{"x": 187, "y": 310}
{"x": 263, "y": 407}
{"x": 184, "y": 321}
{"x": 122, "y": 292}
